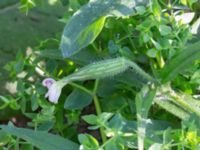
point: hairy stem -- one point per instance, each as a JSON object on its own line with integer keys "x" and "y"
{"x": 184, "y": 104}
{"x": 140, "y": 139}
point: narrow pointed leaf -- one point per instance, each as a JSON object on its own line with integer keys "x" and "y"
{"x": 42, "y": 140}
{"x": 180, "y": 62}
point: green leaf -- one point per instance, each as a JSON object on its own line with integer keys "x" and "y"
{"x": 19, "y": 66}
{"x": 152, "y": 53}
{"x": 140, "y": 10}
{"x": 156, "y": 9}
{"x": 90, "y": 33}
{"x": 50, "y": 53}
{"x": 42, "y": 140}
{"x": 4, "y": 138}
{"x": 97, "y": 120}
{"x": 90, "y": 119}
{"x": 84, "y": 57}
{"x": 164, "y": 30}
{"x": 26, "y": 5}
{"x": 87, "y": 23}
{"x": 155, "y": 146}
{"x": 78, "y": 99}
{"x": 144, "y": 100}
{"x": 115, "y": 145}
{"x": 180, "y": 62}
{"x": 88, "y": 142}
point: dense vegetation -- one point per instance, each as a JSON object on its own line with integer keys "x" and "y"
{"x": 123, "y": 75}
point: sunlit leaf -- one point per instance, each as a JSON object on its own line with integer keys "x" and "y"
{"x": 88, "y": 22}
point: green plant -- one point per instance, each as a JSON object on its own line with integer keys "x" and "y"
{"x": 131, "y": 61}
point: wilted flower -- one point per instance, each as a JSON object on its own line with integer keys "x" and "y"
{"x": 54, "y": 89}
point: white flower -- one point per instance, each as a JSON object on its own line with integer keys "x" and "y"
{"x": 54, "y": 89}
{"x": 48, "y": 82}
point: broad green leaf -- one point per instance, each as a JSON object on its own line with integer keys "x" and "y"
{"x": 78, "y": 99}
{"x": 19, "y": 66}
{"x": 115, "y": 145}
{"x": 180, "y": 62}
{"x": 90, "y": 119}
{"x": 132, "y": 79}
{"x": 83, "y": 57}
{"x": 50, "y": 53}
{"x": 90, "y": 33}
{"x": 184, "y": 2}
{"x": 152, "y": 53}
{"x": 120, "y": 126}
{"x": 116, "y": 102}
{"x": 140, "y": 10}
{"x": 88, "y": 142}
{"x": 4, "y": 138}
{"x": 164, "y": 30}
{"x": 98, "y": 121}
{"x": 42, "y": 140}
{"x": 119, "y": 123}
{"x": 104, "y": 90}
{"x": 87, "y": 23}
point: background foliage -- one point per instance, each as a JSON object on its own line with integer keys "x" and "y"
{"x": 128, "y": 74}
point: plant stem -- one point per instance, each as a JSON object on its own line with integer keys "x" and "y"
{"x": 160, "y": 60}
{"x": 98, "y": 109}
{"x": 81, "y": 87}
{"x": 96, "y": 84}
{"x": 95, "y": 48}
{"x": 108, "y": 141}
{"x": 97, "y": 105}
{"x": 96, "y": 102}
{"x": 184, "y": 104}
{"x": 141, "y": 129}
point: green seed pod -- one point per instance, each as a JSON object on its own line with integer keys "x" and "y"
{"x": 100, "y": 69}
{"x": 105, "y": 68}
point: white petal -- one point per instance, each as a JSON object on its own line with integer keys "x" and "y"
{"x": 54, "y": 92}
{"x": 186, "y": 18}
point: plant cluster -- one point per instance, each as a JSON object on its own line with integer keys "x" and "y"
{"x": 124, "y": 75}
